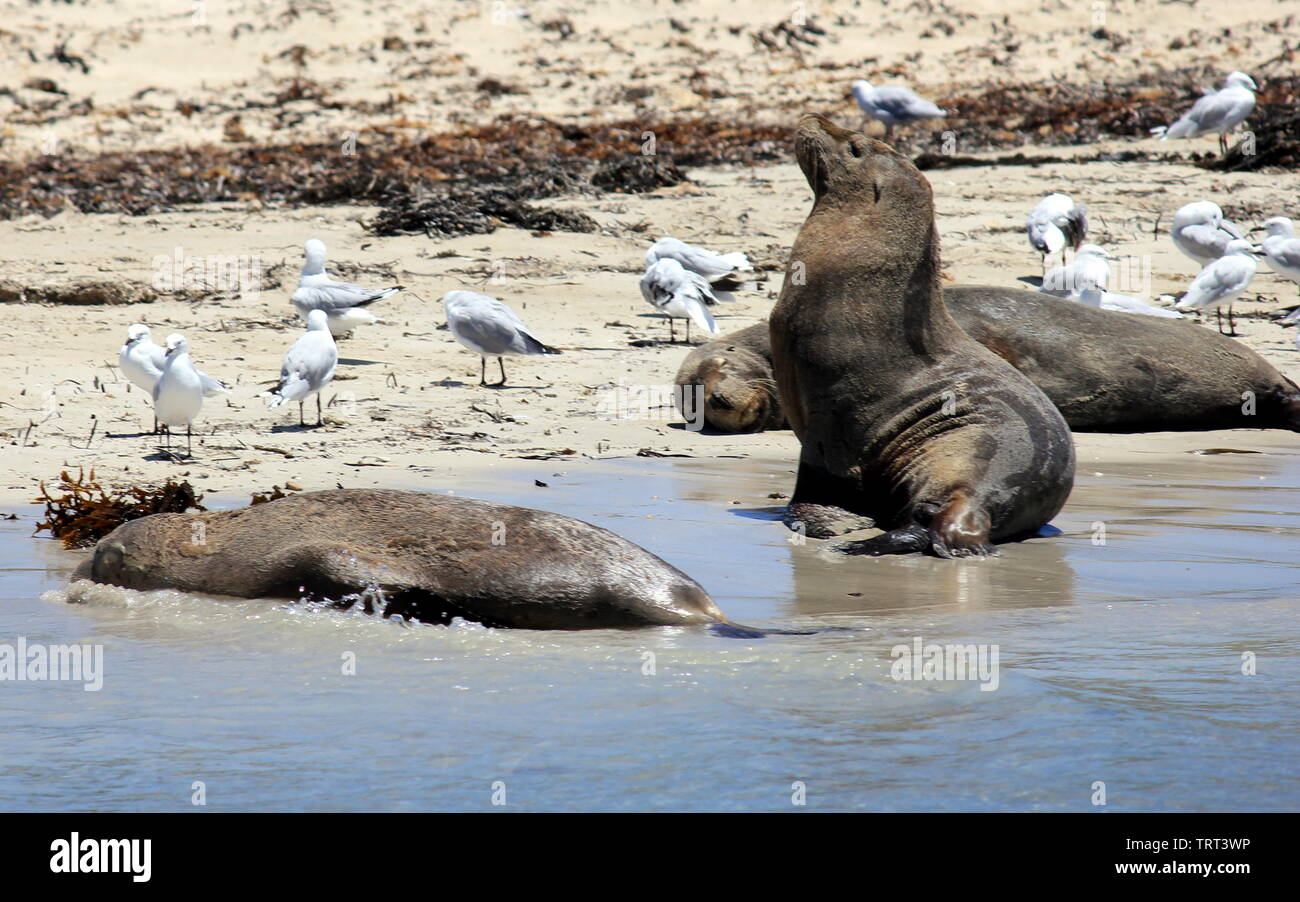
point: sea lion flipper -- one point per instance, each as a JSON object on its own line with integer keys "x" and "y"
{"x": 823, "y": 521}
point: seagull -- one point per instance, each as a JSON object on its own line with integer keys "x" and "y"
{"x": 719, "y": 269}
{"x": 1055, "y": 224}
{"x": 491, "y": 329}
{"x": 307, "y": 368}
{"x": 1218, "y": 111}
{"x": 1201, "y": 232}
{"x": 1282, "y": 251}
{"x": 343, "y": 302}
{"x": 141, "y": 361}
{"x": 892, "y": 105}
{"x": 677, "y": 292}
{"x": 1090, "y": 269}
{"x": 178, "y": 393}
{"x": 1222, "y": 281}
{"x": 1096, "y": 297}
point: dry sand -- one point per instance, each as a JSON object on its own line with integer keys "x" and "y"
{"x": 406, "y": 407}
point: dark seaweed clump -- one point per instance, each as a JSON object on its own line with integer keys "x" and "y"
{"x": 637, "y": 174}
{"x": 85, "y": 512}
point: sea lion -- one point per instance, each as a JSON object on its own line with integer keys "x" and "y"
{"x": 433, "y": 557}
{"x": 1105, "y": 371}
{"x": 905, "y": 420}
{"x": 734, "y": 374}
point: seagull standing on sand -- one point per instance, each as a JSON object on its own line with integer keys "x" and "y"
{"x": 1090, "y": 269}
{"x": 1201, "y": 232}
{"x": 1222, "y": 281}
{"x": 1217, "y": 111}
{"x": 490, "y": 329}
{"x": 720, "y": 269}
{"x": 178, "y": 393}
{"x": 892, "y": 105}
{"x": 141, "y": 361}
{"x": 308, "y": 367}
{"x": 1282, "y": 251}
{"x": 344, "y": 303}
{"x": 1055, "y": 224}
{"x": 677, "y": 292}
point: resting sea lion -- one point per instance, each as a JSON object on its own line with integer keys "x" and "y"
{"x": 1105, "y": 371}
{"x": 903, "y": 417}
{"x": 735, "y": 373}
{"x": 434, "y": 557}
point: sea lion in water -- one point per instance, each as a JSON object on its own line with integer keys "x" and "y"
{"x": 904, "y": 418}
{"x": 1105, "y": 371}
{"x": 434, "y": 557}
{"x": 734, "y": 375}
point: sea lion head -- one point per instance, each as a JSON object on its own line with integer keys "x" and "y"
{"x": 739, "y": 392}
{"x": 131, "y": 553}
{"x": 873, "y": 209}
{"x": 853, "y": 169}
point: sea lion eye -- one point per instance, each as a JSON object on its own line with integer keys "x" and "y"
{"x": 855, "y": 149}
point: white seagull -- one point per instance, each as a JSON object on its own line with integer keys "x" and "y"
{"x": 308, "y": 367}
{"x": 1090, "y": 270}
{"x": 1055, "y": 224}
{"x": 892, "y": 105}
{"x": 1222, "y": 281}
{"x": 1201, "y": 232}
{"x": 344, "y": 303}
{"x": 178, "y": 393}
{"x": 1217, "y": 111}
{"x": 677, "y": 292}
{"x": 141, "y": 361}
{"x": 1282, "y": 251}
{"x": 719, "y": 269}
{"x": 490, "y": 329}
{"x": 1121, "y": 303}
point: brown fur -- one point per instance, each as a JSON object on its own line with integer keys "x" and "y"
{"x": 906, "y": 422}
{"x": 1105, "y": 371}
{"x": 734, "y": 374}
{"x": 433, "y": 556}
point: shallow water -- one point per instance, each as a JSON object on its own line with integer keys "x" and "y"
{"x": 1119, "y": 662}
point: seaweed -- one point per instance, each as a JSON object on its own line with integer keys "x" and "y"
{"x": 85, "y": 512}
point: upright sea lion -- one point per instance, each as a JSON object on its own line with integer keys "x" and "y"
{"x": 903, "y": 417}
{"x": 433, "y": 557}
{"x": 1105, "y": 371}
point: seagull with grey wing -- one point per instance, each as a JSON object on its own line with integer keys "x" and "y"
{"x": 1221, "y": 281}
{"x": 1217, "y": 111}
{"x": 142, "y": 361}
{"x": 1201, "y": 232}
{"x": 1282, "y": 251}
{"x": 1056, "y": 223}
{"x": 344, "y": 304}
{"x": 308, "y": 367}
{"x": 892, "y": 105}
{"x": 490, "y": 329}
{"x": 722, "y": 270}
{"x": 678, "y": 293}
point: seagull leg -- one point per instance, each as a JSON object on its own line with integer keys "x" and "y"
{"x": 189, "y": 441}
{"x": 688, "y": 331}
{"x": 1232, "y": 323}
{"x": 501, "y": 362}
{"x": 482, "y": 371}
{"x": 1219, "y": 313}
{"x": 672, "y": 332}
{"x": 301, "y": 422}
{"x": 320, "y": 420}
